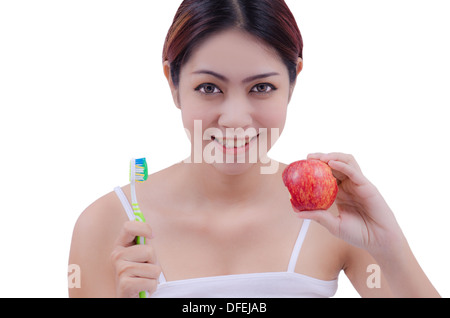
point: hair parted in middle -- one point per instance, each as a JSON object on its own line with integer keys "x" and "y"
{"x": 270, "y": 21}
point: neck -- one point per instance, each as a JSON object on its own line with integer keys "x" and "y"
{"x": 211, "y": 185}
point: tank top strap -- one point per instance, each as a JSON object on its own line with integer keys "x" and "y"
{"x": 126, "y": 205}
{"x": 298, "y": 245}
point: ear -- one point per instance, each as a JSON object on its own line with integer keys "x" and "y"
{"x": 173, "y": 88}
{"x": 299, "y": 65}
{"x": 299, "y": 69}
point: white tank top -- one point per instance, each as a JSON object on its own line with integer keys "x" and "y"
{"x": 286, "y": 284}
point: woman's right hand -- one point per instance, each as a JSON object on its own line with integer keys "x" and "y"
{"x": 135, "y": 266}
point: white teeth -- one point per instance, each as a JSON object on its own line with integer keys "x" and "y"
{"x": 230, "y": 143}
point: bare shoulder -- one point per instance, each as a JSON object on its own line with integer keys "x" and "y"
{"x": 102, "y": 218}
{"x": 93, "y": 240}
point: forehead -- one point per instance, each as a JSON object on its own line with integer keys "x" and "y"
{"x": 236, "y": 54}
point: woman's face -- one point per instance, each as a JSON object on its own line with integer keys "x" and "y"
{"x": 233, "y": 94}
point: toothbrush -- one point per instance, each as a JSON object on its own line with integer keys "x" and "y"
{"x": 138, "y": 173}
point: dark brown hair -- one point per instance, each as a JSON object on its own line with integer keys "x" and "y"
{"x": 268, "y": 20}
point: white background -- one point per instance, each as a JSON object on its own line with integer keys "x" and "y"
{"x": 82, "y": 91}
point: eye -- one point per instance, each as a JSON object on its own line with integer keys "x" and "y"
{"x": 263, "y": 88}
{"x": 208, "y": 89}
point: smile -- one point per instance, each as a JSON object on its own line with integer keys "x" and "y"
{"x": 234, "y": 143}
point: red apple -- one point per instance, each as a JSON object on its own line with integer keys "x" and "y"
{"x": 311, "y": 184}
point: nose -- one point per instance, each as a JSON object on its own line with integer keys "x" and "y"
{"x": 235, "y": 112}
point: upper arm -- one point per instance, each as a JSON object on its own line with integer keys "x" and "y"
{"x": 92, "y": 243}
{"x": 365, "y": 274}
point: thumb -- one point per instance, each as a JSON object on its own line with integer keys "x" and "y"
{"x": 324, "y": 218}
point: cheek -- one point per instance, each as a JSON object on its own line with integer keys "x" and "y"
{"x": 191, "y": 110}
{"x": 276, "y": 126}
{"x": 196, "y": 118}
{"x": 272, "y": 114}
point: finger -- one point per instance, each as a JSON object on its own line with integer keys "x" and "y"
{"x": 343, "y": 157}
{"x": 132, "y": 269}
{"x": 131, "y": 286}
{"x": 324, "y": 218}
{"x": 335, "y": 156}
{"x": 352, "y": 172}
{"x": 130, "y": 230}
{"x": 316, "y": 156}
{"x": 136, "y": 253}
{"x": 344, "y": 196}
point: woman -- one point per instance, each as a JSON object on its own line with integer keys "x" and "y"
{"x": 220, "y": 224}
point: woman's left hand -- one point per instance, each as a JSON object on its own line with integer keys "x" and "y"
{"x": 365, "y": 220}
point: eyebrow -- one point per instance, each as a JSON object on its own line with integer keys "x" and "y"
{"x": 246, "y": 80}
